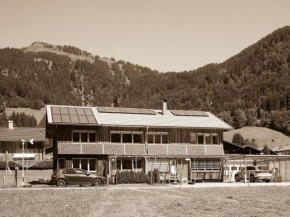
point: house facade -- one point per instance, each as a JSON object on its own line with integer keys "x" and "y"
{"x": 180, "y": 144}
{"x": 10, "y": 142}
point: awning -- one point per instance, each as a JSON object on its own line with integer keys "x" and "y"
{"x": 24, "y": 155}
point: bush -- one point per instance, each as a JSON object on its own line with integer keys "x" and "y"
{"x": 130, "y": 177}
{"x": 155, "y": 176}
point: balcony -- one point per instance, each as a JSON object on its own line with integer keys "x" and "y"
{"x": 138, "y": 149}
{"x": 100, "y": 148}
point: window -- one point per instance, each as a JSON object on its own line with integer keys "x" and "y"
{"x": 84, "y": 164}
{"x": 215, "y": 139}
{"x": 205, "y": 165}
{"x": 1, "y": 145}
{"x": 137, "y": 138}
{"x": 92, "y": 164}
{"x": 61, "y": 163}
{"x": 69, "y": 171}
{"x": 207, "y": 139}
{"x": 92, "y": 137}
{"x": 115, "y": 137}
{"x": 127, "y": 137}
{"x": 200, "y": 139}
{"x": 81, "y": 172}
{"x": 84, "y": 136}
{"x": 164, "y": 138}
{"x": 76, "y": 137}
{"x": 76, "y": 163}
{"x": 150, "y": 138}
{"x": 157, "y": 138}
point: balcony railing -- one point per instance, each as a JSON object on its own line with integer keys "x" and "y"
{"x": 138, "y": 149}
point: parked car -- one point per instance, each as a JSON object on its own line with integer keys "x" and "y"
{"x": 63, "y": 177}
{"x": 254, "y": 174}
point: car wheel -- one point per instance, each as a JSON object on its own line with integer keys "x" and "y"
{"x": 267, "y": 181}
{"x": 61, "y": 183}
{"x": 237, "y": 178}
{"x": 252, "y": 178}
{"x": 97, "y": 182}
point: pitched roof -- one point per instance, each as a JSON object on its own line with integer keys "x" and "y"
{"x": 26, "y": 133}
{"x": 131, "y": 117}
{"x": 281, "y": 148}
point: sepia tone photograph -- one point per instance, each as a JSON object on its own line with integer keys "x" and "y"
{"x": 144, "y": 108}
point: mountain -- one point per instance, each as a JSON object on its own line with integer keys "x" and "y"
{"x": 251, "y": 88}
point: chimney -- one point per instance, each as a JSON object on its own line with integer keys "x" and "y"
{"x": 164, "y": 107}
{"x": 10, "y": 125}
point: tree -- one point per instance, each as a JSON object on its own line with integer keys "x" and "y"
{"x": 239, "y": 119}
{"x": 238, "y": 139}
{"x": 266, "y": 150}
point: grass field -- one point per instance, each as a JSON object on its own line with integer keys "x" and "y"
{"x": 251, "y": 201}
{"x": 262, "y": 135}
{"x": 38, "y": 114}
{"x": 129, "y": 200}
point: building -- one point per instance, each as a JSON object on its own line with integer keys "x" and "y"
{"x": 181, "y": 144}
{"x": 10, "y": 142}
{"x": 282, "y": 149}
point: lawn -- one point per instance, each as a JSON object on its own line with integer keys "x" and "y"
{"x": 102, "y": 201}
{"x": 29, "y": 175}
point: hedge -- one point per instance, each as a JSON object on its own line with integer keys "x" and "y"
{"x": 130, "y": 177}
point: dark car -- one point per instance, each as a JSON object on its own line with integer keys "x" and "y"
{"x": 63, "y": 177}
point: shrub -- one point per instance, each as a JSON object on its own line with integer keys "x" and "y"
{"x": 154, "y": 176}
{"x": 130, "y": 177}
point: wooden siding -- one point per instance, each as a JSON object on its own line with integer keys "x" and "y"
{"x": 176, "y": 135}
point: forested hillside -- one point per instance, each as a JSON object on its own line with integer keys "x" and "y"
{"x": 251, "y": 88}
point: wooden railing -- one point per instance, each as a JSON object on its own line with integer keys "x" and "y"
{"x": 138, "y": 149}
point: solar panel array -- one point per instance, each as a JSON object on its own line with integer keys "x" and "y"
{"x": 189, "y": 113}
{"x": 126, "y": 110}
{"x": 73, "y": 115}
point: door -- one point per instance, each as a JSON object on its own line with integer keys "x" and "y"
{"x": 70, "y": 176}
{"x": 82, "y": 177}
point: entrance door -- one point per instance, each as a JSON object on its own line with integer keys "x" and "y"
{"x": 182, "y": 169}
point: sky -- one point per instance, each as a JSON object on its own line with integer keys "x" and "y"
{"x": 166, "y": 35}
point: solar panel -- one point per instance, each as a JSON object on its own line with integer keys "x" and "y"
{"x": 72, "y": 111}
{"x": 91, "y": 119}
{"x": 189, "y": 113}
{"x": 80, "y": 111}
{"x": 132, "y": 111}
{"x": 63, "y": 110}
{"x": 126, "y": 110}
{"x": 74, "y": 119}
{"x": 56, "y": 118}
{"x": 88, "y": 111}
{"x": 73, "y": 115}
{"x": 65, "y": 118}
{"x": 83, "y": 119}
{"x": 55, "y": 110}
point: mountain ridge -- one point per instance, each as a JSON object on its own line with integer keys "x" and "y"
{"x": 253, "y": 85}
